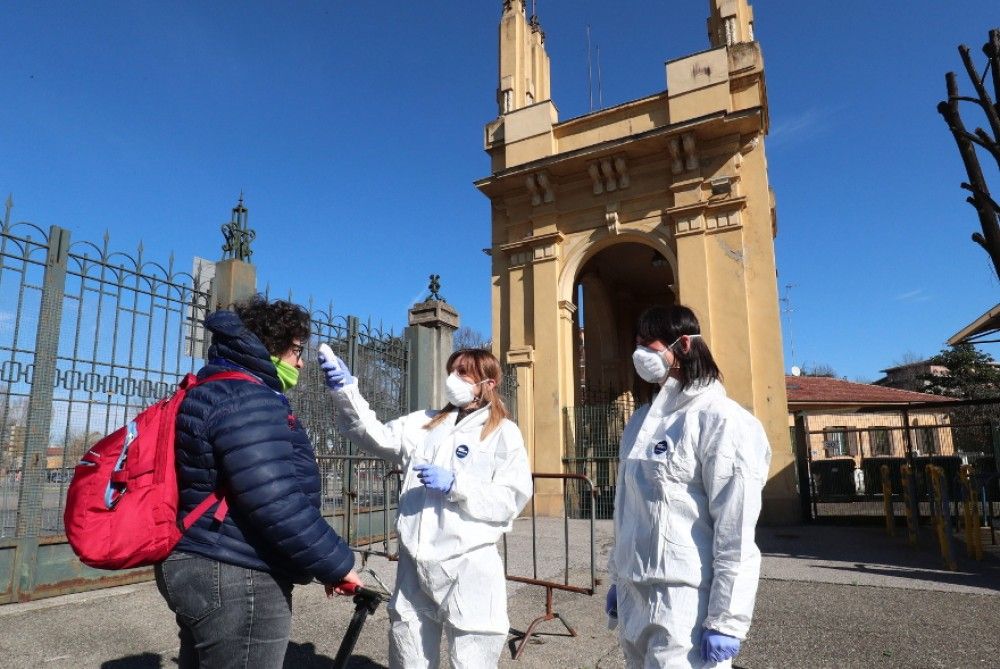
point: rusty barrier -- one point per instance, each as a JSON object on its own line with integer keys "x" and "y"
{"x": 941, "y": 515}
{"x": 970, "y": 513}
{"x": 890, "y": 516}
{"x": 553, "y": 585}
{"x": 910, "y": 503}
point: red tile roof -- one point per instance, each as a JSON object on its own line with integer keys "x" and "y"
{"x": 810, "y": 390}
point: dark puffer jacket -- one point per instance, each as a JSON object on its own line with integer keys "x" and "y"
{"x": 241, "y": 437}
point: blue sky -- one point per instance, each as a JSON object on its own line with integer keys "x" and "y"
{"x": 355, "y": 131}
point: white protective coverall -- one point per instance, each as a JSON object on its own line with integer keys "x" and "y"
{"x": 450, "y": 573}
{"x": 693, "y": 464}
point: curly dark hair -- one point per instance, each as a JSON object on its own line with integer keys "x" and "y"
{"x": 277, "y": 324}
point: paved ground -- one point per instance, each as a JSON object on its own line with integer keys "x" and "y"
{"x": 829, "y": 597}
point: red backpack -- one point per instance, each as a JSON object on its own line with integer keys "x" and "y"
{"x": 121, "y": 507}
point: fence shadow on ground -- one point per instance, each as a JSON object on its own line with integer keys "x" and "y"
{"x": 298, "y": 655}
{"x": 141, "y": 661}
{"x": 868, "y": 550}
{"x": 304, "y": 656}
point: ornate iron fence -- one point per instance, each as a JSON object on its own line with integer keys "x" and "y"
{"x": 88, "y": 338}
{"x": 594, "y": 433}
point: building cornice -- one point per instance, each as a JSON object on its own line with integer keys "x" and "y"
{"x": 487, "y": 184}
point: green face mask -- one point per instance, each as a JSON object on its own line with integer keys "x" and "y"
{"x": 287, "y": 374}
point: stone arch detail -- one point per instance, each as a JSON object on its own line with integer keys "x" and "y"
{"x": 578, "y": 254}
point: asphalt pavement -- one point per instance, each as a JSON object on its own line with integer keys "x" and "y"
{"x": 829, "y": 597}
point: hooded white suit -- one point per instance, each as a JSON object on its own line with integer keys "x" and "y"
{"x": 693, "y": 464}
{"x": 450, "y": 573}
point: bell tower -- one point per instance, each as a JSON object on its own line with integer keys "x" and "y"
{"x": 654, "y": 201}
{"x": 524, "y": 64}
{"x": 729, "y": 22}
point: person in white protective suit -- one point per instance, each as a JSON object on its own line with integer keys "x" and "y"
{"x": 684, "y": 566}
{"x": 465, "y": 478}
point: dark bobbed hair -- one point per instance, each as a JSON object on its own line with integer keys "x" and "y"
{"x": 666, "y": 324}
{"x": 277, "y": 324}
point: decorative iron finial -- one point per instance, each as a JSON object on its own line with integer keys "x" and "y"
{"x": 435, "y": 287}
{"x": 238, "y": 235}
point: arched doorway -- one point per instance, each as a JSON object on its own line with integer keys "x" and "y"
{"x": 612, "y": 288}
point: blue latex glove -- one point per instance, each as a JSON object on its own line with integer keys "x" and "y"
{"x": 435, "y": 478}
{"x": 335, "y": 372}
{"x": 718, "y": 647}
{"x": 611, "y": 603}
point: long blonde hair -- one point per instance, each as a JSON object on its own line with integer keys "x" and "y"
{"x": 480, "y": 365}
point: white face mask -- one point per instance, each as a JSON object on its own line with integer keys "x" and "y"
{"x": 458, "y": 391}
{"x": 650, "y": 365}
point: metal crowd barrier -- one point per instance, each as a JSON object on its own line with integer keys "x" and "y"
{"x": 549, "y": 585}
{"x": 361, "y": 495}
{"x": 890, "y": 515}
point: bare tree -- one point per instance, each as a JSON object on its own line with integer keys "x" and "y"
{"x": 908, "y": 358}
{"x": 466, "y": 337}
{"x": 986, "y": 207}
{"x": 820, "y": 369}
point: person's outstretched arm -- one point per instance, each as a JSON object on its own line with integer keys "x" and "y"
{"x": 355, "y": 418}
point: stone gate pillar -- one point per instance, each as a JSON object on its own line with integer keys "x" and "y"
{"x": 431, "y": 339}
{"x": 235, "y": 278}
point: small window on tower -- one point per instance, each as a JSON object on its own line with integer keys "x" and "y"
{"x": 730, "y": 26}
{"x": 507, "y": 101}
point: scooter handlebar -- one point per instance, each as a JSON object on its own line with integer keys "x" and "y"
{"x": 355, "y": 589}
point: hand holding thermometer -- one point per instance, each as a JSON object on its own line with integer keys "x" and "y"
{"x": 335, "y": 372}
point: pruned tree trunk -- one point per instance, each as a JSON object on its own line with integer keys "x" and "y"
{"x": 986, "y": 207}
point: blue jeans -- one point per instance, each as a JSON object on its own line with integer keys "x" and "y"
{"x": 229, "y": 616}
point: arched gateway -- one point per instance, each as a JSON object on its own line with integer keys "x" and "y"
{"x": 657, "y": 200}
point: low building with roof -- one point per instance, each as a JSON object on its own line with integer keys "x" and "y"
{"x": 860, "y": 420}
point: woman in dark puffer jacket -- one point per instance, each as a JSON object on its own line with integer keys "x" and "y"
{"x": 230, "y": 583}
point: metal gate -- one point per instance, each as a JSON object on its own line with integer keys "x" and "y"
{"x": 594, "y": 434}
{"x": 843, "y": 456}
{"x": 88, "y": 338}
{"x": 360, "y": 493}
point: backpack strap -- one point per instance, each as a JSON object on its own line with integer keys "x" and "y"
{"x": 232, "y": 375}
{"x": 216, "y": 496}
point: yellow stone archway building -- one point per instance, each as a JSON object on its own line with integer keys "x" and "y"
{"x": 660, "y": 199}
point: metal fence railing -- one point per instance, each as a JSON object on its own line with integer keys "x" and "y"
{"x": 516, "y": 568}
{"x": 361, "y": 500}
{"x": 89, "y": 337}
{"x": 849, "y": 453}
{"x": 594, "y": 433}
